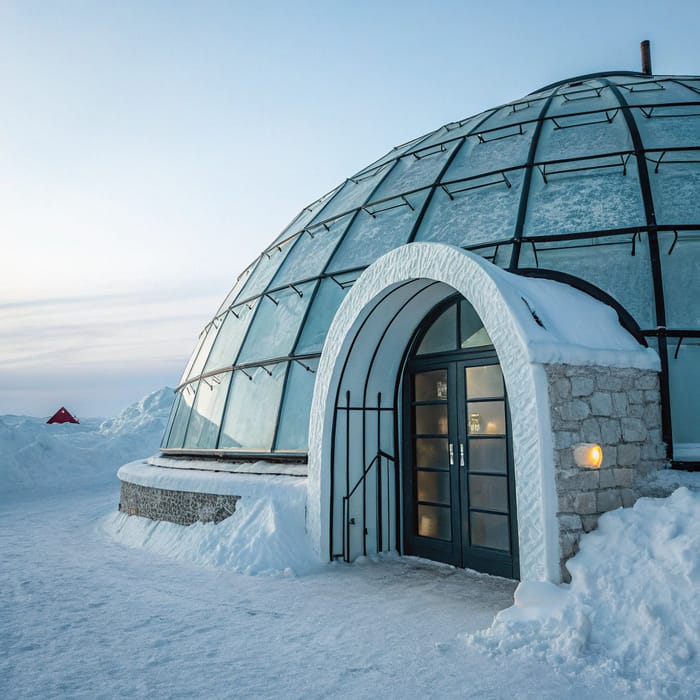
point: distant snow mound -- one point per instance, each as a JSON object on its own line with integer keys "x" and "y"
{"x": 150, "y": 412}
{"x": 632, "y": 606}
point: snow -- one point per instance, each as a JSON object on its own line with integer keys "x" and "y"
{"x": 98, "y": 604}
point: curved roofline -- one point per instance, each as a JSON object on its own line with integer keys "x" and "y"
{"x": 589, "y": 76}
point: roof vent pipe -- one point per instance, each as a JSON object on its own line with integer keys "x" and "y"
{"x": 646, "y": 57}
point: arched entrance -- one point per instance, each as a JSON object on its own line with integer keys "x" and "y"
{"x": 456, "y": 454}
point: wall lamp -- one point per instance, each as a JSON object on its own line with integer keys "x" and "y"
{"x": 588, "y": 455}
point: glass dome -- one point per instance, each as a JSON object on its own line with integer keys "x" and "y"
{"x": 597, "y": 177}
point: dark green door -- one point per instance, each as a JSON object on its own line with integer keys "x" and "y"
{"x": 458, "y": 485}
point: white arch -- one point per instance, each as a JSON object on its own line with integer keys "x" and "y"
{"x": 505, "y": 304}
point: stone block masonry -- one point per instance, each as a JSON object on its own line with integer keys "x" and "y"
{"x": 181, "y": 507}
{"x": 618, "y": 408}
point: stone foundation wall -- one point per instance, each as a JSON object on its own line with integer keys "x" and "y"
{"x": 618, "y": 408}
{"x": 181, "y": 507}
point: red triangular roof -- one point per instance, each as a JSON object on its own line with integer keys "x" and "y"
{"x": 62, "y": 416}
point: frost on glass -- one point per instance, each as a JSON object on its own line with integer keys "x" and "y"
{"x": 394, "y": 153}
{"x": 293, "y": 430}
{"x": 590, "y": 200}
{"x": 377, "y": 230}
{"x": 330, "y": 294}
{"x": 205, "y": 418}
{"x": 675, "y": 187}
{"x": 452, "y": 131}
{"x": 230, "y": 337}
{"x": 681, "y": 278}
{"x": 182, "y": 416}
{"x": 577, "y": 137}
{"x": 591, "y": 96}
{"x": 196, "y": 367}
{"x": 251, "y": 412}
{"x": 607, "y": 263}
{"x": 305, "y": 216}
{"x": 311, "y": 252}
{"x": 669, "y": 127}
{"x": 684, "y": 379}
{"x": 513, "y": 113}
{"x": 267, "y": 266}
{"x": 414, "y": 171}
{"x": 636, "y": 91}
{"x": 276, "y": 323}
{"x": 473, "y": 211}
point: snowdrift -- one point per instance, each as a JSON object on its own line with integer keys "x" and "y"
{"x": 40, "y": 458}
{"x": 632, "y": 606}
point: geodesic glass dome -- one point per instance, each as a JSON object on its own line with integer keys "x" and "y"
{"x": 597, "y": 177}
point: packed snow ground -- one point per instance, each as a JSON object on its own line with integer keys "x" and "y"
{"x": 172, "y": 616}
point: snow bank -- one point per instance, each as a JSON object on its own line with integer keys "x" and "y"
{"x": 632, "y": 606}
{"x": 36, "y": 457}
{"x": 265, "y": 535}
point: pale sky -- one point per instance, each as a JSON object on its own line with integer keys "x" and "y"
{"x": 150, "y": 150}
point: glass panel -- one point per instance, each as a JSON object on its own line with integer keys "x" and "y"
{"x": 485, "y": 382}
{"x": 668, "y": 127}
{"x": 488, "y": 455}
{"x": 376, "y": 230}
{"x": 489, "y": 530}
{"x": 684, "y": 380}
{"x": 472, "y": 331}
{"x": 486, "y": 417}
{"x": 326, "y": 302}
{"x": 442, "y": 334}
{"x": 293, "y": 431}
{"x": 563, "y": 204}
{"x": 196, "y": 366}
{"x": 177, "y": 433}
{"x": 466, "y": 217}
{"x": 230, "y": 337}
{"x": 310, "y": 254}
{"x": 267, "y": 265}
{"x": 433, "y": 487}
{"x": 584, "y": 98}
{"x": 675, "y": 188}
{"x": 171, "y": 418}
{"x": 607, "y": 263}
{"x": 251, "y": 412}
{"x": 435, "y": 521}
{"x": 432, "y": 452}
{"x": 453, "y": 130}
{"x": 205, "y": 418}
{"x": 488, "y": 492}
{"x": 681, "y": 278}
{"x": 275, "y": 326}
{"x": 193, "y": 357}
{"x": 431, "y": 386}
{"x": 303, "y": 218}
{"x": 431, "y": 419}
{"x": 231, "y": 296}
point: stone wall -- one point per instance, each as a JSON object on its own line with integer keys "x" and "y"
{"x": 618, "y": 408}
{"x": 181, "y": 507}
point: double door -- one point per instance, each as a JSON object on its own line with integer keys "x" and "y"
{"x": 458, "y": 488}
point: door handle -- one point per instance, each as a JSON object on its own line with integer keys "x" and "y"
{"x": 461, "y": 454}
{"x": 452, "y": 454}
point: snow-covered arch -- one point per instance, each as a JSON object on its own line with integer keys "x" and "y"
{"x": 374, "y": 324}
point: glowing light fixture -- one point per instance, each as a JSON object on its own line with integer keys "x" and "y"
{"x": 588, "y": 455}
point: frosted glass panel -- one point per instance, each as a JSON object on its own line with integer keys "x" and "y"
{"x": 453, "y": 130}
{"x": 505, "y": 147}
{"x": 182, "y": 417}
{"x": 311, "y": 252}
{"x": 433, "y": 487}
{"x": 684, "y": 373}
{"x": 305, "y": 216}
{"x": 293, "y": 429}
{"x": 377, "y": 230}
{"x": 488, "y": 455}
{"x": 486, "y": 417}
{"x": 268, "y": 264}
{"x": 275, "y": 325}
{"x": 435, "y": 522}
{"x": 431, "y": 420}
{"x": 681, "y": 279}
{"x": 230, "y": 337}
{"x": 251, "y": 415}
{"x": 566, "y": 203}
{"x": 488, "y": 492}
{"x": 466, "y": 217}
{"x": 607, "y": 263}
{"x": 668, "y": 127}
{"x": 583, "y": 98}
{"x": 206, "y": 413}
{"x": 326, "y": 302}
{"x": 489, "y": 530}
{"x": 675, "y": 188}
{"x": 431, "y": 386}
{"x": 484, "y": 382}
{"x": 442, "y": 334}
{"x": 432, "y": 452}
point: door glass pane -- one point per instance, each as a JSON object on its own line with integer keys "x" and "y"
{"x": 434, "y": 521}
{"x": 489, "y": 530}
{"x": 489, "y": 492}
{"x": 431, "y": 419}
{"x": 472, "y": 332}
{"x": 442, "y": 335}
{"x": 432, "y": 452}
{"x": 486, "y": 417}
{"x": 431, "y": 386}
{"x": 484, "y": 382}
{"x": 434, "y": 487}
{"x": 488, "y": 455}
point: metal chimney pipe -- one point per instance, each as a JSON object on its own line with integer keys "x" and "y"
{"x": 646, "y": 57}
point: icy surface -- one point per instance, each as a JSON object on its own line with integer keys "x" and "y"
{"x": 632, "y": 606}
